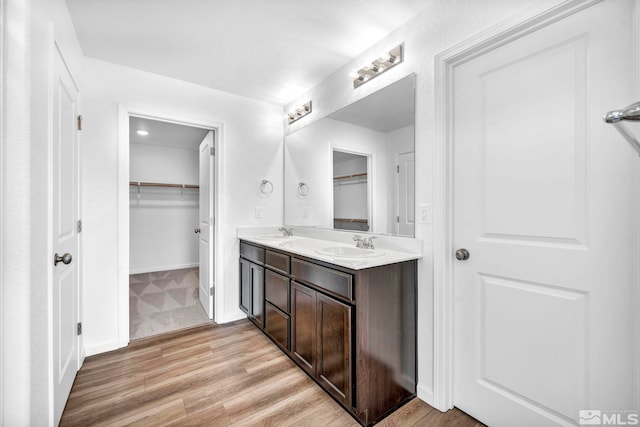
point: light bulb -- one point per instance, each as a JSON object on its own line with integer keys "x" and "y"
{"x": 142, "y": 132}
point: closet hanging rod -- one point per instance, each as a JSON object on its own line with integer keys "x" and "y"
{"x": 355, "y": 175}
{"x": 361, "y": 221}
{"x": 160, "y": 184}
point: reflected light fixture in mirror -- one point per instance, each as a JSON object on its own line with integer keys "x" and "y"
{"x": 378, "y": 66}
{"x": 379, "y": 126}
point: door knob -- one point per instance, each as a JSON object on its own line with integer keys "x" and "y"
{"x": 462, "y": 254}
{"x": 65, "y": 259}
{"x": 197, "y": 230}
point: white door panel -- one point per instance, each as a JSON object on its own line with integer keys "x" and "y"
{"x": 406, "y": 193}
{"x": 206, "y": 246}
{"x": 543, "y": 202}
{"x": 65, "y": 237}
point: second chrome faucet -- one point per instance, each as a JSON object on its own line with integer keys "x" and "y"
{"x": 286, "y": 231}
{"x": 364, "y": 243}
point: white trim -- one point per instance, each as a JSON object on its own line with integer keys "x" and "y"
{"x": 425, "y": 394}
{"x": 124, "y": 112}
{"x": 371, "y": 172}
{"x": 636, "y": 207}
{"x": 123, "y": 233}
{"x": 531, "y": 20}
{"x": 162, "y": 268}
{"x": 3, "y": 109}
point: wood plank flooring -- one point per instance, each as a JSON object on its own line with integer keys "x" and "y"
{"x": 215, "y": 375}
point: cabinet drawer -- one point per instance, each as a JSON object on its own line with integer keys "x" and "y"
{"x": 335, "y": 282}
{"x": 277, "y": 290}
{"x": 252, "y": 253}
{"x": 277, "y": 325}
{"x": 278, "y": 261}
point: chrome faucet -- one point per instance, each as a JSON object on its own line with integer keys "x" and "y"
{"x": 366, "y": 243}
{"x": 288, "y": 232}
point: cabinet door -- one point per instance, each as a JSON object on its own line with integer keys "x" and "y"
{"x": 277, "y": 325}
{"x": 257, "y": 294}
{"x": 245, "y": 285}
{"x": 303, "y": 329}
{"x": 334, "y": 347}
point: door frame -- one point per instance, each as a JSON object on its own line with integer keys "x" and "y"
{"x": 443, "y": 230}
{"x": 370, "y": 174}
{"x": 124, "y": 112}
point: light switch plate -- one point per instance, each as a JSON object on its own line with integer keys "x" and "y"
{"x": 425, "y": 214}
{"x": 259, "y": 212}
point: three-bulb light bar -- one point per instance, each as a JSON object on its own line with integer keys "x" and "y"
{"x": 378, "y": 66}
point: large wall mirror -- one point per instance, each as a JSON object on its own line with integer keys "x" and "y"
{"x": 355, "y": 168}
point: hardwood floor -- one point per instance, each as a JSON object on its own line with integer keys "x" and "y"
{"x": 215, "y": 375}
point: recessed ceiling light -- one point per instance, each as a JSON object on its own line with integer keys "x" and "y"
{"x": 142, "y": 132}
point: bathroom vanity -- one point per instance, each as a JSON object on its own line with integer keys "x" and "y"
{"x": 348, "y": 321}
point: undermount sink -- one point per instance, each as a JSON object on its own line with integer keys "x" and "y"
{"x": 349, "y": 252}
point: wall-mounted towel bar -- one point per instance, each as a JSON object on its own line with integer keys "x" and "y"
{"x": 630, "y": 113}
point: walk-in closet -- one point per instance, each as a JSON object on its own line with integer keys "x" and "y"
{"x": 164, "y": 226}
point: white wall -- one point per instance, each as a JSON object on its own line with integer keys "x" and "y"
{"x": 309, "y": 158}
{"x": 162, "y": 220}
{"x": 159, "y": 163}
{"x": 441, "y": 26}
{"x": 28, "y": 41}
{"x": 251, "y": 149}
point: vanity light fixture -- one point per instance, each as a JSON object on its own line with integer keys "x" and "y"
{"x": 299, "y": 112}
{"x": 378, "y": 66}
{"x": 142, "y": 132}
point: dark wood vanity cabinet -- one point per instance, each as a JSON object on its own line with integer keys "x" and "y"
{"x": 277, "y": 307}
{"x": 321, "y": 340}
{"x": 352, "y": 331}
{"x": 252, "y": 284}
{"x": 333, "y": 348}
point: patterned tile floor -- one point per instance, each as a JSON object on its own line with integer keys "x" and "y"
{"x": 164, "y": 301}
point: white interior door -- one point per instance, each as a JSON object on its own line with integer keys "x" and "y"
{"x": 543, "y": 195}
{"x": 406, "y": 193}
{"x": 65, "y": 235}
{"x": 206, "y": 235}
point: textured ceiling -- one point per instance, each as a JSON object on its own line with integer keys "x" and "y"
{"x": 270, "y": 50}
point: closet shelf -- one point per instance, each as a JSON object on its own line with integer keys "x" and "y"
{"x": 355, "y": 175}
{"x": 360, "y": 221}
{"x": 160, "y": 184}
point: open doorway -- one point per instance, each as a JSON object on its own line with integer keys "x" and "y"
{"x": 351, "y": 189}
{"x": 171, "y": 198}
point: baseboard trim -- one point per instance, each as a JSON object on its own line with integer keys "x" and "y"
{"x": 162, "y": 268}
{"x": 231, "y": 317}
{"x": 426, "y": 394}
{"x": 102, "y": 348}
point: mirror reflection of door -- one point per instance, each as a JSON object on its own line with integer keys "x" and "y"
{"x": 405, "y": 193}
{"x": 351, "y": 191}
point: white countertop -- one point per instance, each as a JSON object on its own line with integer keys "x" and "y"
{"x": 316, "y": 248}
